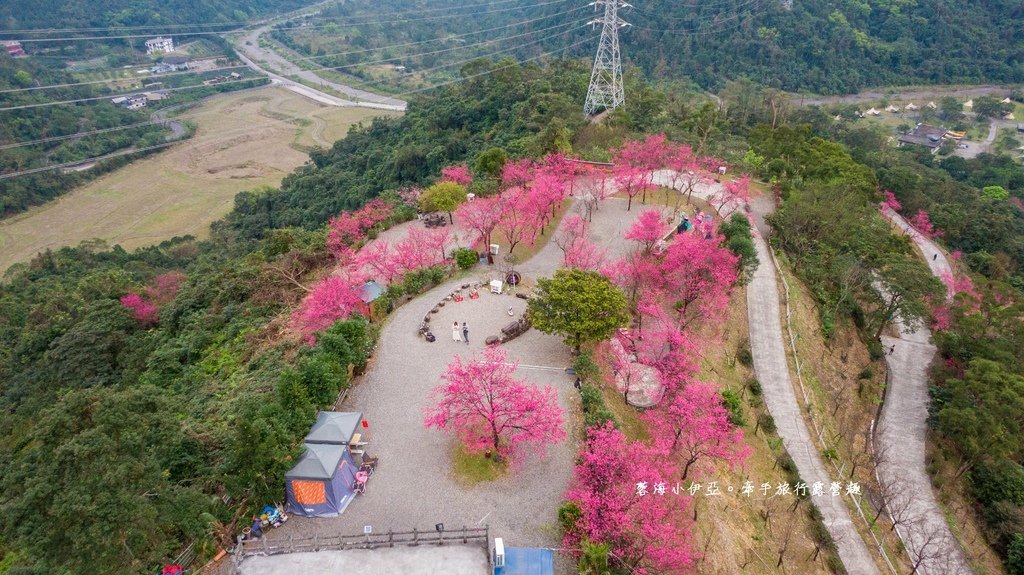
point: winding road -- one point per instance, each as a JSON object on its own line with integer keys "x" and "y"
{"x": 901, "y": 437}
{"x": 260, "y": 58}
{"x": 772, "y": 371}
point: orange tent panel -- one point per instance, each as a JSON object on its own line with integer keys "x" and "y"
{"x": 309, "y": 492}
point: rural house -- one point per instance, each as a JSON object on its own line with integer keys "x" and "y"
{"x": 160, "y": 44}
{"x": 14, "y": 48}
{"x": 924, "y": 135}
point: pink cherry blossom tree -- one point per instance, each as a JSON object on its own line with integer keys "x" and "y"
{"x": 519, "y": 219}
{"x": 145, "y": 312}
{"x": 923, "y": 224}
{"x": 698, "y": 273}
{"x": 378, "y": 259}
{"x": 482, "y": 215}
{"x": 631, "y": 180}
{"x": 626, "y": 502}
{"x": 329, "y": 300}
{"x": 458, "y": 173}
{"x": 490, "y": 410}
{"x": 696, "y": 427}
{"x": 890, "y": 201}
{"x": 586, "y": 255}
{"x": 162, "y": 288}
{"x": 516, "y": 174}
{"x": 648, "y": 229}
{"x": 734, "y": 191}
{"x": 415, "y": 251}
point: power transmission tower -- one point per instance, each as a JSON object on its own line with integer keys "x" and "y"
{"x": 605, "y": 91}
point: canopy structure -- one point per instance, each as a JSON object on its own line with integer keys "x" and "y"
{"x": 320, "y": 484}
{"x": 334, "y": 427}
{"x": 527, "y": 561}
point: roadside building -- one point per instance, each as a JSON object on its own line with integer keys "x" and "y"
{"x": 14, "y": 49}
{"x": 925, "y": 135}
{"x": 158, "y": 45}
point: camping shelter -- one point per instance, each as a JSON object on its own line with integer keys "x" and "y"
{"x": 320, "y": 484}
{"x": 334, "y": 427}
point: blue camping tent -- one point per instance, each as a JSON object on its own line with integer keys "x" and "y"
{"x": 320, "y": 484}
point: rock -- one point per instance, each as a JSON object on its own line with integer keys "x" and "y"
{"x": 522, "y": 296}
{"x": 435, "y": 310}
{"x": 426, "y": 318}
{"x": 465, "y": 286}
{"x": 492, "y": 340}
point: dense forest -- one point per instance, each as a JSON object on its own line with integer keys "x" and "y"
{"x": 125, "y": 438}
{"x": 30, "y": 14}
{"x": 811, "y": 46}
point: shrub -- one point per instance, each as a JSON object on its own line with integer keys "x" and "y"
{"x": 595, "y": 411}
{"x": 569, "y": 514}
{"x": 734, "y": 404}
{"x": 744, "y": 355}
{"x": 466, "y": 258}
{"x": 1015, "y": 556}
{"x": 866, "y": 373}
{"x": 755, "y": 387}
{"x": 585, "y": 367}
{"x": 875, "y": 350}
{"x": 766, "y": 422}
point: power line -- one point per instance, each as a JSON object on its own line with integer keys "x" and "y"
{"x": 439, "y": 39}
{"x": 489, "y": 55}
{"x": 80, "y": 134}
{"x": 108, "y": 96}
{"x": 244, "y": 23}
{"x": 492, "y": 70}
{"x": 9, "y": 175}
{"x": 407, "y": 93}
{"x": 110, "y": 81}
{"x": 348, "y": 24}
{"x": 464, "y": 47}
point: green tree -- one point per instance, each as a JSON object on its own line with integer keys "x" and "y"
{"x": 995, "y": 193}
{"x": 951, "y": 109}
{"x": 982, "y": 413}
{"x": 740, "y": 242}
{"x": 907, "y": 284}
{"x": 581, "y": 305}
{"x": 443, "y": 197}
{"x": 990, "y": 107}
{"x": 491, "y": 161}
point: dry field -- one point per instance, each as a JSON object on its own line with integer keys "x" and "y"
{"x": 243, "y": 141}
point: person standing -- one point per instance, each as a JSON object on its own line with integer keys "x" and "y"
{"x": 455, "y": 332}
{"x": 465, "y": 332}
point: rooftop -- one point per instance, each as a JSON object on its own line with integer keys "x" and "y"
{"x": 924, "y": 135}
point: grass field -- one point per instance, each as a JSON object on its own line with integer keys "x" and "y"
{"x": 243, "y": 141}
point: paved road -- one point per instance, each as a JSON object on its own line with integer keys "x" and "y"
{"x": 901, "y": 437}
{"x": 916, "y": 94}
{"x": 260, "y": 58}
{"x": 772, "y": 371}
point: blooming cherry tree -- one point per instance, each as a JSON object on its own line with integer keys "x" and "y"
{"x": 458, "y": 173}
{"x": 490, "y": 410}
{"x": 698, "y": 273}
{"x": 696, "y": 427}
{"x": 482, "y": 216}
{"x": 923, "y": 224}
{"x": 145, "y": 312}
{"x": 648, "y": 229}
{"x": 329, "y": 300}
{"x": 625, "y": 501}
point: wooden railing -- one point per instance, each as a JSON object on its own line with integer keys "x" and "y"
{"x": 264, "y": 546}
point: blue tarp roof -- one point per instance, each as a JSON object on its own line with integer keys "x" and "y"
{"x": 527, "y": 561}
{"x": 370, "y": 291}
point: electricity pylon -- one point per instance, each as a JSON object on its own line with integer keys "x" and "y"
{"x": 605, "y": 91}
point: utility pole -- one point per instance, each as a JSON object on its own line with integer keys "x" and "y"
{"x": 605, "y": 91}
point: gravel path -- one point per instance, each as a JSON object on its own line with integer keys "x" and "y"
{"x": 901, "y": 437}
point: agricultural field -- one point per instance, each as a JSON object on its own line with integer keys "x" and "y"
{"x": 243, "y": 141}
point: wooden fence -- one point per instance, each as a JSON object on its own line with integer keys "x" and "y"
{"x": 264, "y": 546}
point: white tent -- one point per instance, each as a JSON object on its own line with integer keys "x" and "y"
{"x": 873, "y": 112}
{"x": 1009, "y": 116}
{"x": 911, "y": 106}
{"x": 892, "y": 108}
{"x": 1006, "y": 101}
{"x": 932, "y": 105}
{"x": 969, "y": 104}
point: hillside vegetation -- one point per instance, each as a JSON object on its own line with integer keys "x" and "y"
{"x": 814, "y": 46}
{"x": 24, "y": 14}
